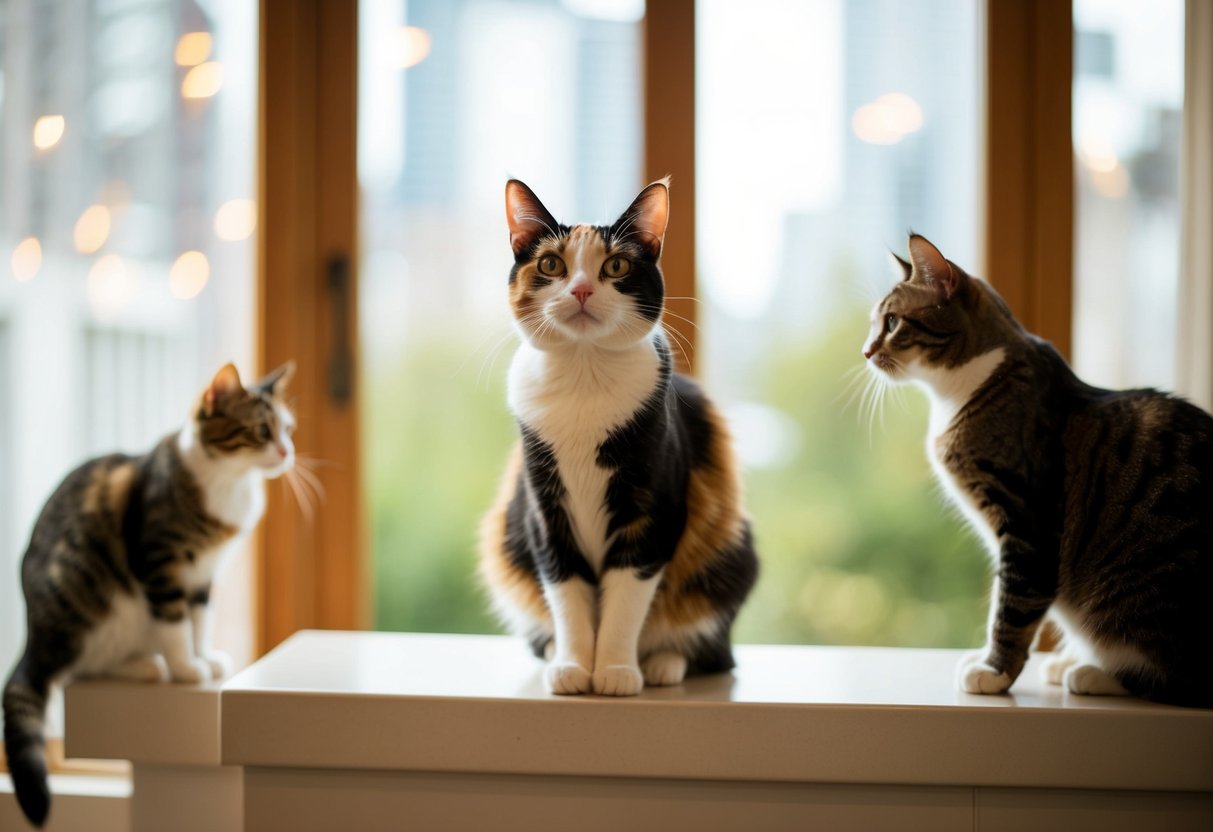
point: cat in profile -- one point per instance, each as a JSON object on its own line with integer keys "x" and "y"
{"x": 117, "y": 576}
{"x": 1096, "y": 505}
{"x": 618, "y": 545}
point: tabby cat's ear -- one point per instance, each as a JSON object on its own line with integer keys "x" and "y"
{"x": 646, "y": 218}
{"x": 225, "y": 383}
{"x": 902, "y": 265}
{"x": 527, "y": 217}
{"x": 275, "y": 381}
{"x": 931, "y": 267}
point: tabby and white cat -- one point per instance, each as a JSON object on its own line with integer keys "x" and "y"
{"x": 618, "y": 544}
{"x": 1097, "y": 505}
{"x": 117, "y": 576}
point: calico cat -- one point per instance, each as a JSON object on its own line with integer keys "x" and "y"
{"x": 118, "y": 572}
{"x": 618, "y": 544}
{"x": 1097, "y": 505}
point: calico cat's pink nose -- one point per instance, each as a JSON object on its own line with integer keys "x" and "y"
{"x": 868, "y": 351}
{"x": 582, "y": 293}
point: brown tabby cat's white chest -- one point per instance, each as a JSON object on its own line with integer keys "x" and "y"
{"x": 950, "y": 390}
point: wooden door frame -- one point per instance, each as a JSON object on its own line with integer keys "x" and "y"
{"x": 311, "y": 574}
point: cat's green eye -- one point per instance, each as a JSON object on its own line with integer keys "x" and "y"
{"x": 890, "y": 322}
{"x": 551, "y": 265}
{"x": 263, "y": 433}
{"x": 616, "y": 267}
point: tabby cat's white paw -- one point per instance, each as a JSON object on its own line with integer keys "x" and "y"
{"x": 664, "y": 668}
{"x": 220, "y": 664}
{"x": 566, "y": 678}
{"x": 618, "y": 680}
{"x": 141, "y": 669}
{"x": 191, "y": 672}
{"x": 978, "y": 677}
{"x": 1089, "y": 680}
{"x": 1054, "y": 669}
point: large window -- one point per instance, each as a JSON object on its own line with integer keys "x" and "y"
{"x": 825, "y": 131}
{"x": 457, "y": 96}
{"x": 1128, "y": 105}
{"x": 126, "y": 178}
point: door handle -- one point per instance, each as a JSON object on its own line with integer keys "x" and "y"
{"x": 341, "y": 361}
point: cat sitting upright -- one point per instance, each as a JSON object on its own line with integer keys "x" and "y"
{"x": 117, "y": 576}
{"x": 618, "y": 544}
{"x": 1097, "y": 505}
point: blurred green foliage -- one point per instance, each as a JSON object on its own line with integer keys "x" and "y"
{"x": 857, "y": 544}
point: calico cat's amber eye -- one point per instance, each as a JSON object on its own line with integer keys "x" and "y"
{"x": 616, "y": 267}
{"x": 551, "y": 265}
{"x": 263, "y": 433}
{"x": 890, "y": 322}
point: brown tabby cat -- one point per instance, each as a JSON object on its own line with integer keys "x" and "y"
{"x": 117, "y": 576}
{"x": 1097, "y": 505}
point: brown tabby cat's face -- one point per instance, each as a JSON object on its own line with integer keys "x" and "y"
{"x": 252, "y": 425}
{"x": 935, "y": 320}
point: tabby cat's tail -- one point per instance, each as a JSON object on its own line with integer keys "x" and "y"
{"x": 24, "y": 742}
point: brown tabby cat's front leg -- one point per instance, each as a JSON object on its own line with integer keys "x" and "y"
{"x": 200, "y": 620}
{"x": 1024, "y": 588}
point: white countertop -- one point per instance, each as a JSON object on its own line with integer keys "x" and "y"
{"x": 787, "y": 713}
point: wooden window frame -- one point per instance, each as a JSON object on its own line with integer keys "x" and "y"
{"x": 312, "y": 574}
{"x": 1029, "y": 163}
{"x": 317, "y": 575}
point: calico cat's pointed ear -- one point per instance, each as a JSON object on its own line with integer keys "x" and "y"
{"x": 275, "y": 381}
{"x": 647, "y": 217}
{"x": 930, "y": 266}
{"x": 527, "y": 217}
{"x": 225, "y": 383}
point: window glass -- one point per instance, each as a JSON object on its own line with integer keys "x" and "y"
{"x": 826, "y": 130}
{"x": 126, "y": 270}
{"x": 455, "y": 97}
{"x": 1128, "y": 113}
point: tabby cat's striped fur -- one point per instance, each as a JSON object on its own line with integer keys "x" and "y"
{"x": 1096, "y": 504}
{"x": 117, "y": 576}
{"x": 618, "y": 544}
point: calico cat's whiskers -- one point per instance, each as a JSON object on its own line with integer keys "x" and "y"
{"x": 490, "y": 358}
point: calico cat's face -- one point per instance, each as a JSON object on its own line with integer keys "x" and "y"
{"x": 248, "y": 426}
{"x": 933, "y": 321}
{"x": 586, "y": 284}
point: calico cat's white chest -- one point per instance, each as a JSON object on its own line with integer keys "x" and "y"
{"x": 573, "y": 402}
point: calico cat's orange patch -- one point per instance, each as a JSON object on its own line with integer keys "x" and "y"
{"x": 496, "y": 568}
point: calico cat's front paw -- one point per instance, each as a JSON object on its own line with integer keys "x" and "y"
{"x": 618, "y": 680}
{"x": 976, "y": 676}
{"x": 566, "y": 678}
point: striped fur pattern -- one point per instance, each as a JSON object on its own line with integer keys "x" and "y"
{"x": 618, "y": 544}
{"x": 117, "y": 576}
{"x": 1096, "y": 505}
